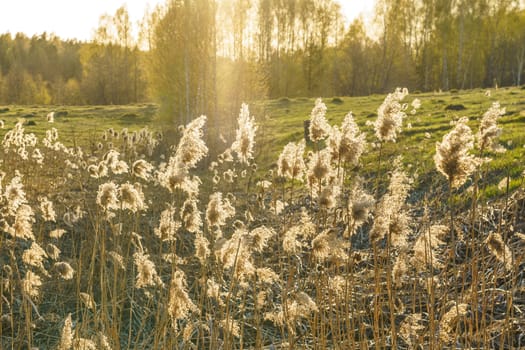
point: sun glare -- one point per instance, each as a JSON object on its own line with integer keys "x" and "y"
{"x": 78, "y": 19}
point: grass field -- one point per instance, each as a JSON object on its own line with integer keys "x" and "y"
{"x": 281, "y": 121}
{"x": 117, "y": 235}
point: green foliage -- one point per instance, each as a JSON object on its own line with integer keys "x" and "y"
{"x": 181, "y": 61}
{"x": 207, "y": 57}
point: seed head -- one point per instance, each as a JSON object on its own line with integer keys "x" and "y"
{"x": 219, "y": 210}
{"x": 66, "y": 336}
{"x": 23, "y": 225}
{"x": 15, "y": 195}
{"x": 131, "y": 197}
{"x": 87, "y": 299}
{"x": 319, "y": 127}
{"x": 245, "y": 135}
{"x": 319, "y": 167}
{"x": 31, "y": 284}
{"x": 191, "y": 216}
{"x": 179, "y": 305}
{"x": 64, "y": 270}
{"x": 52, "y": 251}
{"x": 202, "y": 250}
{"x": 34, "y": 256}
{"x": 192, "y": 148}
{"x": 391, "y": 218}
{"x": 107, "y": 196}
{"x": 142, "y": 169}
{"x": 347, "y": 144}
{"x": 291, "y": 162}
{"x": 390, "y": 116}
{"x": 46, "y": 206}
{"x": 452, "y": 156}
{"x": 488, "y": 129}
{"x": 450, "y": 321}
{"x": 57, "y": 233}
{"x": 499, "y": 249}
{"x": 167, "y": 225}
{"x": 359, "y": 205}
{"x": 146, "y": 272}
{"x": 259, "y": 238}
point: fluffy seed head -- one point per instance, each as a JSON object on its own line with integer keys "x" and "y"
{"x": 146, "y": 272}
{"x": 131, "y": 197}
{"x": 179, "y": 305}
{"x": 23, "y": 225}
{"x": 390, "y": 116}
{"x": 219, "y": 210}
{"x": 291, "y": 161}
{"x": 52, "y": 251}
{"x": 245, "y": 136}
{"x": 450, "y": 321}
{"x": 202, "y": 250}
{"x": 14, "y": 193}
{"x": 57, "y": 233}
{"x": 66, "y": 336}
{"x": 117, "y": 259}
{"x": 359, "y": 205}
{"x": 259, "y": 238}
{"x": 34, "y": 256}
{"x": 452, "y": 156}
{"x": 107, "y": 196}
{"x": 391, "y": 218}
{"x": 191, "y": 216}
{"x": 319, "y": 167}
{"x": 31, "y": 284}
{"x": 499, "y": 249}
{"x": 347, "y": 145}
{"x": 142, "y": 169}
{"x": 192, "y": 148}
{"x": 167, "y": 225}
{"x": 64, "y": 270}
{"x": 425, "y": 247}
{"x": 488, "y": 129}
{"x": 88, "y": 301}
{"x": 46, "y": 206}
{"x": 319, "y": 127}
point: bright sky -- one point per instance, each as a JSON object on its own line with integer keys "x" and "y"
{"x": 78, "y": 18}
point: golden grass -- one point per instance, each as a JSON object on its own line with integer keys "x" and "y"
{"x": 136, "y": 245}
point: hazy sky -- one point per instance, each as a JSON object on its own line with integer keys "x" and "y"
{"x": 78, "y": 18}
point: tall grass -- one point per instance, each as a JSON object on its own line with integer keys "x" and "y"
{"x": 125, "y": 246}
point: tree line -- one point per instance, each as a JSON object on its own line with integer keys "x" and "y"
{"x": 44, "y": 69}
{"x": 206, "y": 56}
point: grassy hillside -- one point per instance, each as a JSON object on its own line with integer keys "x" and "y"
{"x": 281, "y": 121}
{"x": 80, "y": 125}
{"x": 285, "y": 117}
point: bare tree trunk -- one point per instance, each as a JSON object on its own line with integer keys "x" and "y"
{"x": 461, "y": 38}
{"x": 187, "y": 86}
{"x": 444, "y": 70}
{"x": 186, "y": 63}
{"x": 520, "y": 62}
